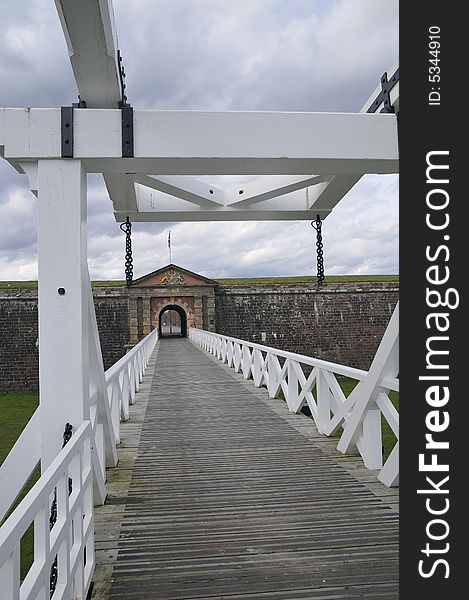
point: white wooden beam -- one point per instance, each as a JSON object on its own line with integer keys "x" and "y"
{"x": 326, "y": 195}
{"x": 121, "y": 190}
{"x": 191, "y": 142}
{"x": 254, "y": 214}
{"x": 266, "y": 188}
{"x": 186, "y": 188}
{"x": 90, "y": 33}
{"x": 154, "y": 205}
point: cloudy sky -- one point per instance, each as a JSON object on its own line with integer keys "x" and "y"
{"x": 286, "y": 55}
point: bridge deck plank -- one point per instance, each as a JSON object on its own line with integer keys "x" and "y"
{"x": 228, "y": 500}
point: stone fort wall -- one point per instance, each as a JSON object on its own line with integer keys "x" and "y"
{"x": 19, "y": 354}
{"x": 342, "y": 323}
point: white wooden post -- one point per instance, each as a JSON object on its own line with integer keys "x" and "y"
{"x": 323, "y": 399}
{"x": 358, "y": 427}
{"x": 63, "y": 302}
{"x": 292, "y": 397}
{"x": 245, "y": 361}
{"x": 370, "y": 443}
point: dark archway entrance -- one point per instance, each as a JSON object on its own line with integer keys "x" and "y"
{"x": 172, "y": 321}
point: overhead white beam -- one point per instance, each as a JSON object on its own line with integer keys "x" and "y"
{"x": 90, "y": 34}
{"x": 158, "y": 206}
{"x": 121, "y": 190}
{"x": 254, "y": 214}
{"x": 211, "y": 143}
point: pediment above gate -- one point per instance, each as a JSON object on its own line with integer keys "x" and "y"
{"x": 173, "y": 275}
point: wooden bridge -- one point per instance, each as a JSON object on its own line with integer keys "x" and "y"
{"x": 222, "y": 489}
{"x": 218, "y": 487}
{"x": 221, "y": 492}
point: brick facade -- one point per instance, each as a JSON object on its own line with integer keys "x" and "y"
{"x": 19, "y": 355}
{"x": 342, "y": 322}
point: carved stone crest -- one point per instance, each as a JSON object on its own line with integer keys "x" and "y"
{"x": 172, "y": 277}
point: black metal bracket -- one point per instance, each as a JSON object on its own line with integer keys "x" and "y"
{"x": 127, "y": 118}
{"x": 127, "y": 115}
{"x": 66, "y": 117}
{"x": 384, "y": 96}
{"x": 80, "y": 104}
{"x": 123, "y": 100}
{"x": 66, "y": 124}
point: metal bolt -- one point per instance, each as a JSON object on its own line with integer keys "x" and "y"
{"x": 61, "y": 291}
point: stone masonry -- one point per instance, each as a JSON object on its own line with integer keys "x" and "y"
{"x": 342, "y": 322}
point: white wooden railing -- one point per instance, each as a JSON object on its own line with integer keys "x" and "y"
{"x": 84, "y": 460}
{"x": 359, "y": 414}
{"x": 109, "y": 405}
{"x": 71, "y": 538}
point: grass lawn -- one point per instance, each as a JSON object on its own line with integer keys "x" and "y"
{"x": 15, "y": 411}
{"x": 32, "y": 285}
{"x": 310, "y": 279}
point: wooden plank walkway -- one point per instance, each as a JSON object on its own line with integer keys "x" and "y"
{"x": 227, "y": 499}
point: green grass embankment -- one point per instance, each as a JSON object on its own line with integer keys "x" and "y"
{"x": 15, "y": 411}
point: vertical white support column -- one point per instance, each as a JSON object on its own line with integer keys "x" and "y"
{"x": 63, "y": 301}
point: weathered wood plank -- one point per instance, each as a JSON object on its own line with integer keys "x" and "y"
{"x": 232, "y": 497}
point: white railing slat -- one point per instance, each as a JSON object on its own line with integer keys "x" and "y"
{"x": 359, "y": 414}
{"x": 19, "y": 464}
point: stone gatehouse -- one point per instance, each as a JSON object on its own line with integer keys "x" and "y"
{"x": 171, "y": 288}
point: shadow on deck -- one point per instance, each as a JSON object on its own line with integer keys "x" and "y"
{"x": 223, "y": 493}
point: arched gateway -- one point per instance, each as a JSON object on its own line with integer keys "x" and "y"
{"x": 192, "y": 296}
{"x": 172, "y": 321}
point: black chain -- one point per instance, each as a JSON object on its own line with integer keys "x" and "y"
{"x": 129, "y": 269}
{"x": 54, "y": 570}
{"x": 123, "y": 100}
{"x": 317, "y": 225}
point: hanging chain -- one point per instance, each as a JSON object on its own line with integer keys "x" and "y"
{"x": 53, "y": 514}
{"x": 317, "y": 225}
{"x": 129, "y": 269}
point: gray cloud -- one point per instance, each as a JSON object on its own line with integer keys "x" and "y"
{"x": 206, "y": 54}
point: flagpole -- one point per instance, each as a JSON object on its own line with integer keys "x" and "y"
{"x": 169, "y": 246}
